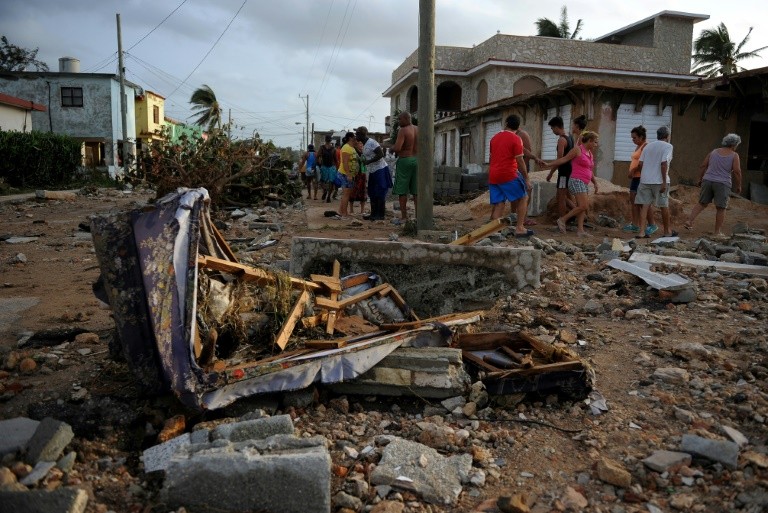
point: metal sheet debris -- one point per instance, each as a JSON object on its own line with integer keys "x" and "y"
{"x": 656, "y": 280}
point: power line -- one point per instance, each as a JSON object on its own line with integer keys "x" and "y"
{"x": 211, "y": 49}
{"x": 157, "y": 26}
{"x": 336, "y": 49}
{"x": 319, "y": 43}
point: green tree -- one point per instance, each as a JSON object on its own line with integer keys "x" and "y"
{"x": 15, "y": 58}
{"x": 206, "y": 107}
{"x": 715, "y": 54}
{"x": 549, "y": 28}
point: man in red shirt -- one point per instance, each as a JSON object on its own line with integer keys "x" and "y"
{"x": 508, "y": 176}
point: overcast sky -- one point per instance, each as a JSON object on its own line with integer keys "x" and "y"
{"x": 339, "y": 52}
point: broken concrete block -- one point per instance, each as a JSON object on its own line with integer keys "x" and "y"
{"x": 49, "y": 440}
{"x": 157, "y": 457}
{"x": 254, "y": 429}
{"x": 721, "y": 451}
{"x": 414, "y": 467}
{"x": 65, "y": 500}
{"x": 15, "y": 434}
{"x": 439, "y": 278}
{"x": 268, "y": 476}
{"x": 56, "y": 195}
{"x": 435, "y": 372}
{"x": 663, "y": 461}
{"x": 39, "y": 472}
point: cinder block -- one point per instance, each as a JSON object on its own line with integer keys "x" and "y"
{"x": 16, "y": 433}
{"x": 49, "y": 440}
{"x": 254, "y": 429}
{"x": 387, "y": 376}
{"x": 223, "y": 480}
{"x": 63, "y": 500}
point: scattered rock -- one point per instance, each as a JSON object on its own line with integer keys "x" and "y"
{"x": 721, "y": 451}
{"x": 613, "y": 473}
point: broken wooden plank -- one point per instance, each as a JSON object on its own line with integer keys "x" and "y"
{"x": 396, "y": 326}
{"x": 331, "y": 304}
{"x": 287, "y": 329}
{"x": 223, "y": 243}
{"x": 354, "y": 280}
{"x": 326, "y": 344}
{"x": 482, "y": 232}
{"x": 248, "y": 273}
{"x": 334, "y": 296}
{"x": 354, "y": 325}
{"x": 757, "y": 270}
{"x": 314, "y": 321}
{"x": 332, "y": 283}
{"x": 480, "y": 362}
{"x": 539, "y": 369}
{"x": 488, "y": 340}
{"x": 544, "y": 349}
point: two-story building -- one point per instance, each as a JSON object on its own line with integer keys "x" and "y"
{"x": 639, "y": 74}
{"x": 84, "y": 106}
{"x": 150, "y": 118}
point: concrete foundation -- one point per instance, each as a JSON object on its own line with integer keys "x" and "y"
{"x": 540, "y": 196}
{"x": 434, "y": 279}
{"x": 434, "y": 372}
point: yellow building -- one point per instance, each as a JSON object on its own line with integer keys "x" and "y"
{"x": 150, "y": 112}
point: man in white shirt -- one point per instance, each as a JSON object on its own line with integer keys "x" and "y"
{"x": 654, "y": 181}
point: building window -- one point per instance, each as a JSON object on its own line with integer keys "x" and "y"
{"x": 482, "y": 93}
{"x": 71, "y": 96}
{"x": 156, "y": 114}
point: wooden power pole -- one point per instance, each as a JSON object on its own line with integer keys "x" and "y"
{"x": 123, "y": 101}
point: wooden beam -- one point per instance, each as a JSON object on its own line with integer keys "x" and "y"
{"x": 352, "y": 281}
{"x": 248, "y": 273}
{"x": 683, "y": 109}
{"x": 482, "y": 232}
{"x": 333, "y": 284}
{"x": 314, "y": 321}
{"x": 223, "y": 243}
{"x": 325, "y": 344}
{"x": 441, "y": 318}
{"x": 290, "y": 323}
{"x": 539, "y": 369}
{"x": 334, "y": 296}
{"x": 332, "y": 304}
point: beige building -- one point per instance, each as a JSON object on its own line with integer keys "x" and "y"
{"x": 639, "y": 74}
{"x": 150, "y": 115}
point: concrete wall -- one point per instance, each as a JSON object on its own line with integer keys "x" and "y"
{"x": 434, "y": 279}
{"x": 146, "y": 128}
{"x": 14, "y": 118}
{"x": 670, "y": 52}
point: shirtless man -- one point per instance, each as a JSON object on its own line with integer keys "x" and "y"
{"x": 407, "y": 171}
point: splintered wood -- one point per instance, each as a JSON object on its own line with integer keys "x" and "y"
{"x": 482, "y": 232}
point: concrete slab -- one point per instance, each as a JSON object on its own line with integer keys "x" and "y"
{"x": 61, "y": 500}
{"x": 49, "y": 440}
{"x": 16, "y": 433}
{"x": 758, "y": 193}
{"x": 434, "y": 372}
{"x": 541, "y": 195}
{"x": 274, "y": 476}
{"x": 435, "y": 279}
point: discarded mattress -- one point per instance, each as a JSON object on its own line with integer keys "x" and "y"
{"x": 150, "y": 273}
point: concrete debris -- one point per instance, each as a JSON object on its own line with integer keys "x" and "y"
{"x": 440, "y": 482}
{"x": 720, "y": 451}
{"x": 64, "y": 500}
{"x": 49, "y": 440}
{"x": 15, "y": 434}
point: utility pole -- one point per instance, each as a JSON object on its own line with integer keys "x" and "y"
{"x": 229, "y": 125}
{"x": 306, "y": 104}
{"x": 426, "y": 112}
{"x": 123, "y": 101}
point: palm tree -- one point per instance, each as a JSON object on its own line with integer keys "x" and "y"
{"x": 549, "y": 28}
{"x": 206, "y": 107}
{"x": 715, "y": 54}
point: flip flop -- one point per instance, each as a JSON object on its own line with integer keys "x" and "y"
{"x": 523, "y": 235}
{"x": 561, "y": 226}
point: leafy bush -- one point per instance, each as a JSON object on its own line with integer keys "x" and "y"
{"x": 38, "y": 159}
{"x": 233, "y": 172}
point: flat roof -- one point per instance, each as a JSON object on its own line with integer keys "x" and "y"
{"x": 649, "y": 21}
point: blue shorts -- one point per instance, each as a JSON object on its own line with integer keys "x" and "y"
{"x": 343, "y": 182}
{"x": 512, "y": 190}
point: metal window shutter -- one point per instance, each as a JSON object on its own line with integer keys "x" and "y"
{"x": 492, "y": 128}
{"x": 549, "y": 140}
{"x": 627, "y": 119}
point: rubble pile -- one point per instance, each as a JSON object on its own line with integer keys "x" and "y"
{"x": 670, "y": 333}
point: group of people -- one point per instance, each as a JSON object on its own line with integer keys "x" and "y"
{"x": 720, "y": 173}
{"x": 359, "y": 169}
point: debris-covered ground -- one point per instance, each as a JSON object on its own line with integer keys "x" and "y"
{"x": 673, "y": 372}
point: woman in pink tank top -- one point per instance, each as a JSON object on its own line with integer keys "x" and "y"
{"x": 582, "y": 173}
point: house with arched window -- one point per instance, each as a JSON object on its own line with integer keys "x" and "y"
{"x": 638, "y": 74}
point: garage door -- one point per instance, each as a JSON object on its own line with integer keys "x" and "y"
{"x": 627, "y": 119}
